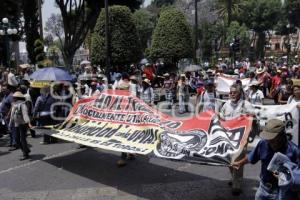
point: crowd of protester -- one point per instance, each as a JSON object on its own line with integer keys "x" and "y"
{"x": 24, "y": 106}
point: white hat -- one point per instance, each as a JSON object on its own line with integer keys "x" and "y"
{"x": 18, "y": 95}
{"x": 166, "y": 74}
{"x": 147, "y": 81}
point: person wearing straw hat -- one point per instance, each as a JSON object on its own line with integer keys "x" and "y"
{"x": 255, "y": 95}
{"x": 274, "y": 140}
{"x": 147, "y": 93}
{"x": 19, "y": 118}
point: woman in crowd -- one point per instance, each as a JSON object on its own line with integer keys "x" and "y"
{"x": 255, "y": 96}
{"x": 286, "y": 90}
{"x": 295, "y": 98}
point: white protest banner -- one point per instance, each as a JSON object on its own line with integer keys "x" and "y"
{"x": 223, "y": 84}
{"x": 288, "y": 113}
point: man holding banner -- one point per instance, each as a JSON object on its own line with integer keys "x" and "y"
{"x": 275, "y": 140}
{"x": 233, "y": 108}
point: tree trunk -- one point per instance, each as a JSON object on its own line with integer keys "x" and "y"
{"x": 68, "y": 59}
{"x": 229, "y": 11}
{"x": 260, "y": 45}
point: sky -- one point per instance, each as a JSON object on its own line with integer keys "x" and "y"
{"x": 49, "y": 8}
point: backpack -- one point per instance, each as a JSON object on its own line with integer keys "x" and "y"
{"x": 18, "y": 115}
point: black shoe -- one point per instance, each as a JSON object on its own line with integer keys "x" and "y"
{"x": 236, "y": 192}
{"x": 12, "y": 148}
{"x": 229, "y": 183}
{"x": 24, "y": 157}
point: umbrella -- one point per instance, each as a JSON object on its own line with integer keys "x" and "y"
{"x": 85, "y": 62}
{"x": 192, "y": 68}
{"x": 144, "y": 61}
{"x": 51, "y": 74}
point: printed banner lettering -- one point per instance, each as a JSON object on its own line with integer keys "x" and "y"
{"x": 116, "y": 121}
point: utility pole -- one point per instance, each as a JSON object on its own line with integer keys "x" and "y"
{"x": 107, "y": 41}
{"x": 39, "y": 3}
{"x": 196, "y": 30}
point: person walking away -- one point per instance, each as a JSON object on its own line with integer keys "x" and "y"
{"x": 255, "y": 96}
{"x": 20, "y": 120}
{"x": 274, "y": 140}
{"x": 233, "y": 108}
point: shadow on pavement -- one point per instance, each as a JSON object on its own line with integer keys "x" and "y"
{"x": 147, "y": 180}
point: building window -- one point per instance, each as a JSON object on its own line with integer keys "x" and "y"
{"x": 277, "y": 46}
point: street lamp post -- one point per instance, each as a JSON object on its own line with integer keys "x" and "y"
{"x": 6, "y": 31}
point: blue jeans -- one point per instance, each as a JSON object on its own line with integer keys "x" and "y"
{"x": 265, "y": 193}
{"x": 12, "y": 136}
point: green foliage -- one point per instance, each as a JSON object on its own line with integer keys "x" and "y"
{"x": 235, "y": 30}
{"x": 31, "y": 26}
{"x": 211, "y": 36}
{"x": 125, "y": 47}
{"x": 292, "y": 8}
{"x": 161, "y": 3}
{"x": 172, "y": 36}
{"x": 39, "y": 51}
{"x": 229, "y": 9}
{"x": 145, "y": 24}
{"x": 261, "y": 15}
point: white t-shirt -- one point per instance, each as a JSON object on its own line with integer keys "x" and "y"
{"x": 256, "y": 98}
{"x": 232, "y": 110}
{"x": 208, "y": 101}
{"x": 292, "y": 100}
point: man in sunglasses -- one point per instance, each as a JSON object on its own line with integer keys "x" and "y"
{"x": 233, "y": 108}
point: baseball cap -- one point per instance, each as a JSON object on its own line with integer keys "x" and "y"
{"x": 272, "y": 129}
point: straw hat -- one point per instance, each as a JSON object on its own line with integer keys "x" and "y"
{"x": 260, "y": 71}
{"x": 18, "y": 95}
{"x": 147, "y": 81}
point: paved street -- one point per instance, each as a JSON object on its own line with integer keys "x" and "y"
{"x": 61, "y": 171}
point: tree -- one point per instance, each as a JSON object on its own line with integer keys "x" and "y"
{"x": 125, "y": 47}
{"x": 227, "y": 9}
{"x": 31, "y": 25}
{"x": 171, "y": 37}
{"x": 78, "y": 17}
{"x": 292, "y": 8}
{"x": 54, "y": 28}
{"x": 161, "y": 3}
{"x": 39, "y": 52}
{"x": 261, "y": 16}
{"x": 235, "y": 30}
{"x": 145, "y": 24}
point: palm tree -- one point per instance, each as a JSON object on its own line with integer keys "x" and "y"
{"x": 229, "y": 8}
